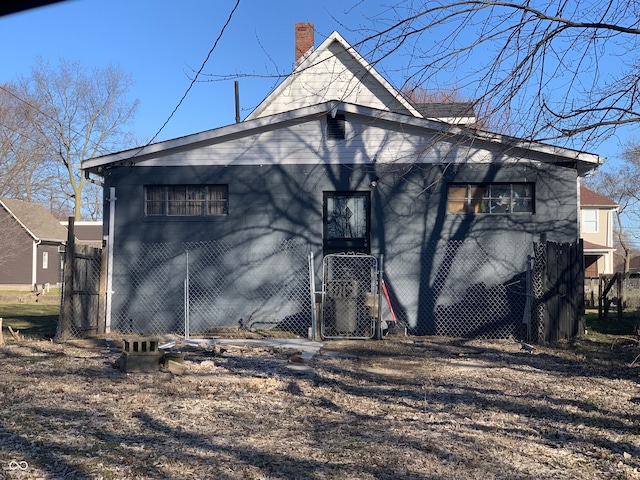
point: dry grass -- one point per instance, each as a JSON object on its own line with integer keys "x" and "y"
{"x": 404, "y": 408}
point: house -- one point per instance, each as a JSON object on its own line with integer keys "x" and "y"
{"x": 596, "y": 231}
{"x": 88, "y": 232}
{"x": 214, "y": 228}
{"x": 31, "y": 242}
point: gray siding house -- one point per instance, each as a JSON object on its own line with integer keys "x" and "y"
{"x": 335, "y": 159}
{"x": 31, "y": 242}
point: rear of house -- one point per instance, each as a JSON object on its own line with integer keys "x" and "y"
{"x": 216, "y": 227}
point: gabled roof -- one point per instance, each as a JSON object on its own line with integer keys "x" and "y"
{"x": 39, "y": 223}
{"x": 150, "y": 154}
{"x": 334, "y": 71}
{"x": 589, "y": 198}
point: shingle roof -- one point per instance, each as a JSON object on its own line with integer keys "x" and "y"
{"x": 39, "y": 222}
{"x": 446, "y": 110}
{"x": 592, "y": 199}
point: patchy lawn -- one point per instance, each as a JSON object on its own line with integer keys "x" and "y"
{"x": 33, "y": 320}
{"x": 403, "y": 408}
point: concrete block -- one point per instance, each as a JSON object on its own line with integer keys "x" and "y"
{"x": 175, "y": 367}
{"x": 139, "y": 363}
{"x": 141, "y": 346}
{"x": 140, "y": 354}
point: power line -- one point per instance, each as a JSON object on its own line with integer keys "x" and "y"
{"x": 194, "y": 79}
{"x": 184, "y": 96}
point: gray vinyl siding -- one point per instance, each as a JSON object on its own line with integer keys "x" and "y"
{"x": 16, "y": 260}
{"x": 272, "y": 203}
{"x": 53, "y": 273}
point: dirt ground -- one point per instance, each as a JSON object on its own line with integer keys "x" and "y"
{"x": 402, "y": 408}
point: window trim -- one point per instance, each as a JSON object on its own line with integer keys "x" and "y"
{"x": 595, "y": 221}
{"x": 482, "y": 198}
{"x": 186, "y": 201}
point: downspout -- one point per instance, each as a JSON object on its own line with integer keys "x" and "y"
{"x": 34, "y": 263}
{"x": 110, "y": 245}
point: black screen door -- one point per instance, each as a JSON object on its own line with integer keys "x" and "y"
{"x": 346, "y": 218}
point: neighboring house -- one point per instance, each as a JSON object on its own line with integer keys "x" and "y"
{"x": 87, "y": 232}
{"x": 596, "y": 231}
{"x": 634, "y": 266}
{"x": 31, "y": 245}
{"x": 335, "y": 159}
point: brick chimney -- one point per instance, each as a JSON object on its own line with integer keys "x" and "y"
{"x": 304, "y": 39}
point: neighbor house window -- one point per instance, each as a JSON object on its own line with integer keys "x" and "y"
{"x": 490, "y": 198}
{"x": 336, "y": 127}
{"x": 45, "y": 260}
{"x": 186, "y": 200}
{"x": 589, "y": 220}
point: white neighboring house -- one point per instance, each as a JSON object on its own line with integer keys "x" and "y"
{"x": 596, "y": 231}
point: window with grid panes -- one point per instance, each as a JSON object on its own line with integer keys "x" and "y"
{"x": 186, "y": 200}
{"x": 490, "y": 198}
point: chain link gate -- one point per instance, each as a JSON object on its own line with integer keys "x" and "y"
{"x": 350, "y": 296}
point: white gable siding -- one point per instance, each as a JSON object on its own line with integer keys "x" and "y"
{"x": 306, "y": 143}
{"x": 334, "y": 75}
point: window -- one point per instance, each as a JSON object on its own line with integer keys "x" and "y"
{"x": 490, "y": 198}
{"x": 589, "y": 220}
{"x": 346, "y": 222}
{"x": 45, "y": 260}
{"x": 336, "y": 127}
{"x": 186, "y": 200}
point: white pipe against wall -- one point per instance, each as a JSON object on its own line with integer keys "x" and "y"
{"x": 34, "y": 263}
{"x": 110, "y": 244}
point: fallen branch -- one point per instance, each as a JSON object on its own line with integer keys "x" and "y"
{"x": 624, "y": 338}
{"x": 14, "y": 334}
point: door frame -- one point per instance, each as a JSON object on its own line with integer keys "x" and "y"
{"x": 346, "y": 244}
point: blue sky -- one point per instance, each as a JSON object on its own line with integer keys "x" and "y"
{"x": 161, "y": 43}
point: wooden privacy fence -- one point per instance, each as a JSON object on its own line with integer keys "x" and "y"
{"x": 82, "y": 313}
{"x": 558, "y": 291}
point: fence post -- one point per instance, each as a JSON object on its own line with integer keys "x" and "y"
{"x": 187, "y": 320}
{"x": 528, "y": 304}
{"x": 66, "y": 314}
{"x": 312, "y": 291}
{"x": 578, "y": 262}
{"x": 378, "y": 299}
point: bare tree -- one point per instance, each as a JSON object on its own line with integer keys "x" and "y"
{"x": 78, "y": 115}
{"x": 622, "y": 185}
{"x": 22, "y": 151}
{"x": 566, "y": 71}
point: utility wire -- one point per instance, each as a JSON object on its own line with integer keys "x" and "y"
{"x": 194, "y": 79}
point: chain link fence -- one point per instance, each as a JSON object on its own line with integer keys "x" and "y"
{"x": 456, "y": 288}
{"x": 539, "y": 289}
{"x": 194, "y": 288}
{"x": 460, "y": 288}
